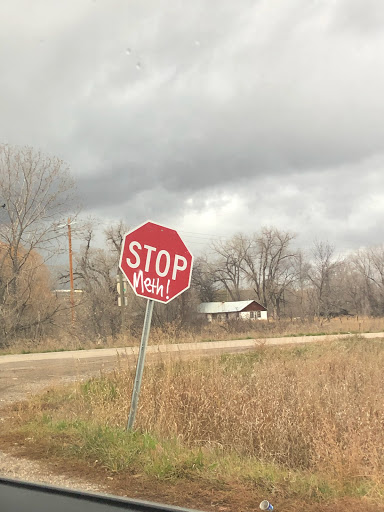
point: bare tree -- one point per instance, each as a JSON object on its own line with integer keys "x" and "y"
{"x": 296, "y": 294}
{"x": 351, "y": 289}
{"x": 177, "y": 315}
{"x": 204, "y": 280}
{"x": 322, "y": 275}
{"x": 227, "y": 269}
{"x": 269, "y": 264}
{"x": 37, "y": 191}
{"x": 95, "y": 272}
{"x": 114, "y": 235}
{"x": 369, "y": 264}
{"x": 265, "y": 261}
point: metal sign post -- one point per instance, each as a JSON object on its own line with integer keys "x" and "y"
{"x": 140, "y": 364}
{"x": 158, "y": 266}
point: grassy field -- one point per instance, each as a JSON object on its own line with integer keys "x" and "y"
{"x": 301, "y": 424}
{"x": 174, "y": 333}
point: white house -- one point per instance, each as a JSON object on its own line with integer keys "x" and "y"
{"x": 242, "y": 309}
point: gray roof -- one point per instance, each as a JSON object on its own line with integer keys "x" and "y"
{"x": 223, "y": 307}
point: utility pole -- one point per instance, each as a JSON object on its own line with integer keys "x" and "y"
{"x": 71, "y": 272}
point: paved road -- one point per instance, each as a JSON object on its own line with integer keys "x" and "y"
{"x": 24, "y": 374}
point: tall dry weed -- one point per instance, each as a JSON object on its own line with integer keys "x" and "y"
{"x": 309, "y": 407}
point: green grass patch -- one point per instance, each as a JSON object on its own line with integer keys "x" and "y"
{"x": 117, "y": 450}
{"x": 113, "y": 448}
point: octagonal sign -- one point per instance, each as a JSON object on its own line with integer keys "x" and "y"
{"x": 156, "y": 262}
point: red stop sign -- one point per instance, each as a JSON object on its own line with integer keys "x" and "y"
{"x": 156, "y": 262}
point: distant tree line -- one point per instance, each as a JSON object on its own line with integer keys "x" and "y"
{"x": 37, "y": 192}
{"x": 265, "y": 267}
{"x": 290, "y": 282}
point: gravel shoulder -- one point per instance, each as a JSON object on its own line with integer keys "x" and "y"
{"x": 23, "y": 469}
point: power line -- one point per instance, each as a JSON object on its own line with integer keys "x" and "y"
{"x": 195, "y": 242}
{"x": 203, "y": 235}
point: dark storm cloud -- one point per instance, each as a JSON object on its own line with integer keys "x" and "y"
{"x": 224, "y": 118}
{"x": 160, "y": 107}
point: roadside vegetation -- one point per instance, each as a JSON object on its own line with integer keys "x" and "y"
{"x": 173, "y": 333}
{"x": 302, "y": 424}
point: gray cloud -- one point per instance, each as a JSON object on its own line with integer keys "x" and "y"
{"x": 175, "y": 110}
{"x": 361, "y": 18}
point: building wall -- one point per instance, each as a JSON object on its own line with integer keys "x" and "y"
{"x": 254, "y": 307}
{"x": 259, "y": 315}
{"x": 243, "y": 315}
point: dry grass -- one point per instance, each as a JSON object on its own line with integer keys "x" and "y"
{"x": 293, "y": 327}
{"x": 307, "y": 407}
{"x": 173, "y": 333}
{"x": 307, "y": 420}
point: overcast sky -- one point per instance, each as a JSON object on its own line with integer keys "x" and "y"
{"x": 210, "y": 116}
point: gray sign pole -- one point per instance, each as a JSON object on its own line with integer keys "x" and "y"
{"x": 140, "y": 364}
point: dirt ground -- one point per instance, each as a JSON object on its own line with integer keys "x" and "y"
{"x": 19, "y": 380}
